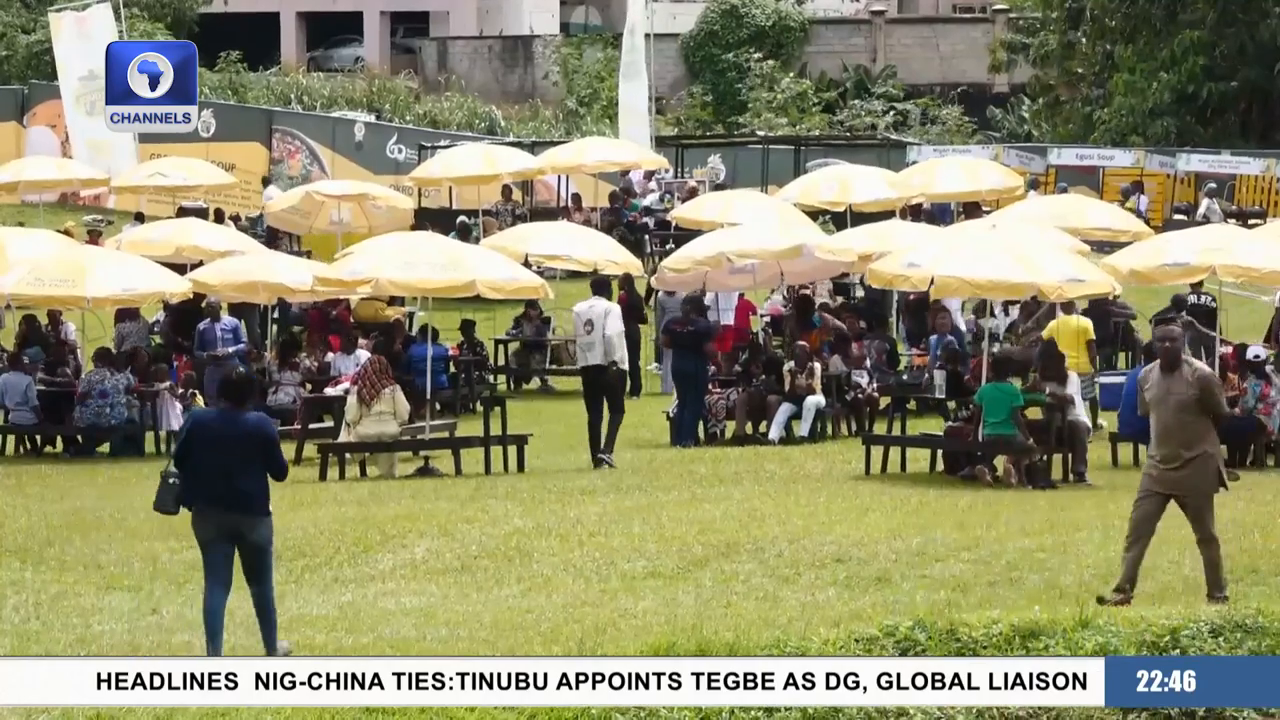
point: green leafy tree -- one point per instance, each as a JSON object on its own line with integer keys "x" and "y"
{"x": 729, "y": 41}
{"x": 26, "y": 53}
{"x": 1145, "y": 73}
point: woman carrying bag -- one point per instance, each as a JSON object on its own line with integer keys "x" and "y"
{"x": 223, "y": 459}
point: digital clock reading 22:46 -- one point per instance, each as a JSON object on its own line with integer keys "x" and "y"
{"x": 1173, "y": 681}
{"x": 1193, "y": 681}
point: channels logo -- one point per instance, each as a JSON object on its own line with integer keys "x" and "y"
{"x": 152, "y": 86}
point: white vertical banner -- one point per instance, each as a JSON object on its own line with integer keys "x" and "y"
{"x": 634, "y": 122}
{"x": 80, "y": 38}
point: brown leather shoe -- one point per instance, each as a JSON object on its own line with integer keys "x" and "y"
{"x": 1116, "y": 599}
{"x": 1218, "y": 599}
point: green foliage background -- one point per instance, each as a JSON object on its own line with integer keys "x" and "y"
{"x": 740, "y": 54}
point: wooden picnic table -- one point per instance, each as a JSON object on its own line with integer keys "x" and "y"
{"x": 310, "y": 408}
{"x": 502, "y": 354}
{"x": 147, "y": 395}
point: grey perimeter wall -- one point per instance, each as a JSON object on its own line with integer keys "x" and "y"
{"x": 927, "y": 51}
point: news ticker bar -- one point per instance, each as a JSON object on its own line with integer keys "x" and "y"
{"x": 1119, "y": 682}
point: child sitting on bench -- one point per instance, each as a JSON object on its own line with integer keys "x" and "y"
{"x": 998, "y": 414}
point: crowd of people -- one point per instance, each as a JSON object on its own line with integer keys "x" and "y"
{"x": 742, "y": 374}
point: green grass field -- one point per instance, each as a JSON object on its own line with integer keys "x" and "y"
{"x": 711, "y": 551}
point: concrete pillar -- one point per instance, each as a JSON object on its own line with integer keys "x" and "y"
{"x": 293, "y": 39}
{"x": 999, "y": 28}
{"x": 377, "y": 40}
{"x": 878, "y": 60}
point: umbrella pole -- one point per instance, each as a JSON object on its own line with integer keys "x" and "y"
{"x": 429, "y": 372}
{"x": 1217, "y": 339}
{"x": 986, "y": 342}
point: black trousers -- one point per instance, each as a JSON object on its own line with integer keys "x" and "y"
{"x": 632, "y": 336}
{"x": 603, "y": 386}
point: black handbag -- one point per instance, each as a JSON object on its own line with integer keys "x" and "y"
{"x": 167, "y": 494}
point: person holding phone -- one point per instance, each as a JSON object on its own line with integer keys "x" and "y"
{"x": 802, "y": 393}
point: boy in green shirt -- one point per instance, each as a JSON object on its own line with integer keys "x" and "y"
{"x": 998, "y": 414}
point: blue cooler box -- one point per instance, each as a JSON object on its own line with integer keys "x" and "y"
{"x": 1110, "y": 388}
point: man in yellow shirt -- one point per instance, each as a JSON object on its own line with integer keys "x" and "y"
{"x": 1076, "y": 339}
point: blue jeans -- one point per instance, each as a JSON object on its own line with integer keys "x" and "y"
{"x": 220, "y": 536}
{"x": 691, "y": 402}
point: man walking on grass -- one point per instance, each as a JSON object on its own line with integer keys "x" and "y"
{"x": 600, "y": 338}
{"x": 1184, "y": 400}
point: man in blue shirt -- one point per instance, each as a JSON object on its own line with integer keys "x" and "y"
{"x": 416, "y": 359}
{"x": 219, "y": 344}
{"x": 1128, "y": 422}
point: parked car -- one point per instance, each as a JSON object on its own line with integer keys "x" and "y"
{"x": 345, "y": 53}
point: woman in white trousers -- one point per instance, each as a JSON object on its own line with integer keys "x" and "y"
{"x": 802, "y": 377}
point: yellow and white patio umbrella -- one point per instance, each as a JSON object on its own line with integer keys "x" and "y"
{"x": 337, "y": 207}
{"x": 425, "y": 264}
{"x": 858, "y": 246}
{"x": 565, "y": 246}
{"x": 592, "y": 155}
{"x": 1230, "y": 252}
{"x": 983, "y": 232}
{"x": 23, "y": 245}
{"x": 961, "y": 179}
{"x": 988, "y": 269}
{"x": 741, "y": 244}
{"x": 40, "y": 174}
{"x": 746, "y": 276}
{"x": 471, "y": 164}
{"x": 92, "y": 277}
{"x": 263, "y": 277}
{"x": 184, "y": 241}
{"x": 1083, "y": 217}
{"x": 846, "y": 187}
{"x": 741, "y": 207}
{"x": 173, "y": 175}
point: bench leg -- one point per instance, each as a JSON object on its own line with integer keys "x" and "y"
{"x": 502, "y": 425}
{"x": 324, "y": 466}
{"x": 519, "y": 458}
{"x": 342, "y": 466}
{"x": 4, "y": 445}
{"x": 1115, "y": 454}
{"x": 457, "y": 461}
{"x": 487, "y": 421}
{"x": 866, "y": 460}
{"x": 902, "y": 459}
{"x": 364, "y": 467}
{"x": 1135, "y": 456}
{"x": 933, "y": 461}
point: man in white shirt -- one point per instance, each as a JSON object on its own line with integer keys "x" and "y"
{"x": 602, "y": 361}
{"x": 138, "y": 219}
{"x": 1033, "y": 187}
{"x": 349, "y": 358}
{"x": 64, "y": 330}
{"x": 269, "y": 190}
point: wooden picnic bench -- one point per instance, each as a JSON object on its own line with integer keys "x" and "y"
{"x": 29, "y": 436}
{"x": 312, "y": 406}
{"x": 455, "y": 444}
{"x": 489, "y": 404}
{"x": 937, "y": 443}
{"x": 502, "y": 357}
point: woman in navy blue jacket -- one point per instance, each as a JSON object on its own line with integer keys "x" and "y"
{"x": 225, "y": 456}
